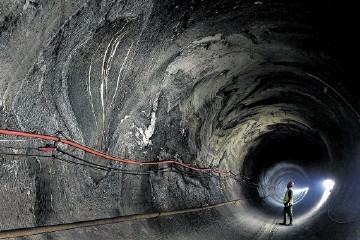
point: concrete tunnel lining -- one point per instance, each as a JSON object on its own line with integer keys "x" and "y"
{"x": 222, "y": 84}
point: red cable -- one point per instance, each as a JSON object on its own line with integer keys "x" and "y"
{"x": 103, "y": 155}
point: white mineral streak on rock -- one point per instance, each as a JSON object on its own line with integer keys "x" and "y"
{"x": 120, "y": 71}
{"x": 105, "y": 66}
{"x": 150, "y": 130}
{"x": 102, "y": 102}
{"x": 217, "y": 37}
{"x": 26, "y": 5}
{"x": 90, "y": 95}
{"x": 126, "y": 117}
{"x": 17, "y": 140}
{"x": 42, "y": 70}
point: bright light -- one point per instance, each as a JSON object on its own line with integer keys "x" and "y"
{"x": 299, "y": 194}
{"x": 300, "y": 190}
{"x": 328, "y": 184}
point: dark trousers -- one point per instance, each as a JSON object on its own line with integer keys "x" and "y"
{"x": 288, "y": 211}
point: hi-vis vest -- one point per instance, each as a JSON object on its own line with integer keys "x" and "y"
{"x": 286, "y": 197}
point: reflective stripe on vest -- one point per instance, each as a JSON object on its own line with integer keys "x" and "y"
{"x": 286, "y": 197}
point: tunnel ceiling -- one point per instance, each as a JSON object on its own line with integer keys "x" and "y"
{"x": 265, "y": 89}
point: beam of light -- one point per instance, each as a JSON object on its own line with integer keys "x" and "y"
{"x": 300, "y": 190}
{"x": 325, "y": 188}
{"x": 328, "y": 185}
{"x": 299, "y": 195}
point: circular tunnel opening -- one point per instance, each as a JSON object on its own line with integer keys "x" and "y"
{"x": 284, "y": 154}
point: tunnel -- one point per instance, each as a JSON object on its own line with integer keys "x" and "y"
{"x": 179, "y": 119}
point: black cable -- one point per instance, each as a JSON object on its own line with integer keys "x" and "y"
{"x": 129, "y": 172}
{"x": 61, "y": 133}
{"x": 177, "y": 168}
{"x": 106, "y": 167}
{"x": 86, "y": 163}
{"x": 214, "y": 175}
{"x": 238, "y": 177}
{"x": 335, "y": 221}
{"x": 95, "y": 166}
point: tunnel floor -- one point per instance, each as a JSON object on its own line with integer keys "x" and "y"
{"x": 211, "y": 224}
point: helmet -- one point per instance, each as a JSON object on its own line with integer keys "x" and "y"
{"x": 290, "y": 184}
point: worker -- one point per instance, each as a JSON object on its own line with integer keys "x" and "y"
{"x": 288, "y": 203}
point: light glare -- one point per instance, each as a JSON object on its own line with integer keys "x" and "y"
{"x": 328, "y": 184}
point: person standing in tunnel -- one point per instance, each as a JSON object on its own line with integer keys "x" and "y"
{"x": 288, "y": 203}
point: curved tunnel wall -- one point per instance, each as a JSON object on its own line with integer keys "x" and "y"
{"x": 241, "y": 86}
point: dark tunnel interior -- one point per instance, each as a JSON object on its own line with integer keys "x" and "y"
{"x": 179, "y": 119}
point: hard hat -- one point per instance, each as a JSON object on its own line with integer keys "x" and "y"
{"x": 290, "y": 184}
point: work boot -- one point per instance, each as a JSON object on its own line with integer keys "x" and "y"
{"x": 290, "y": 224}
